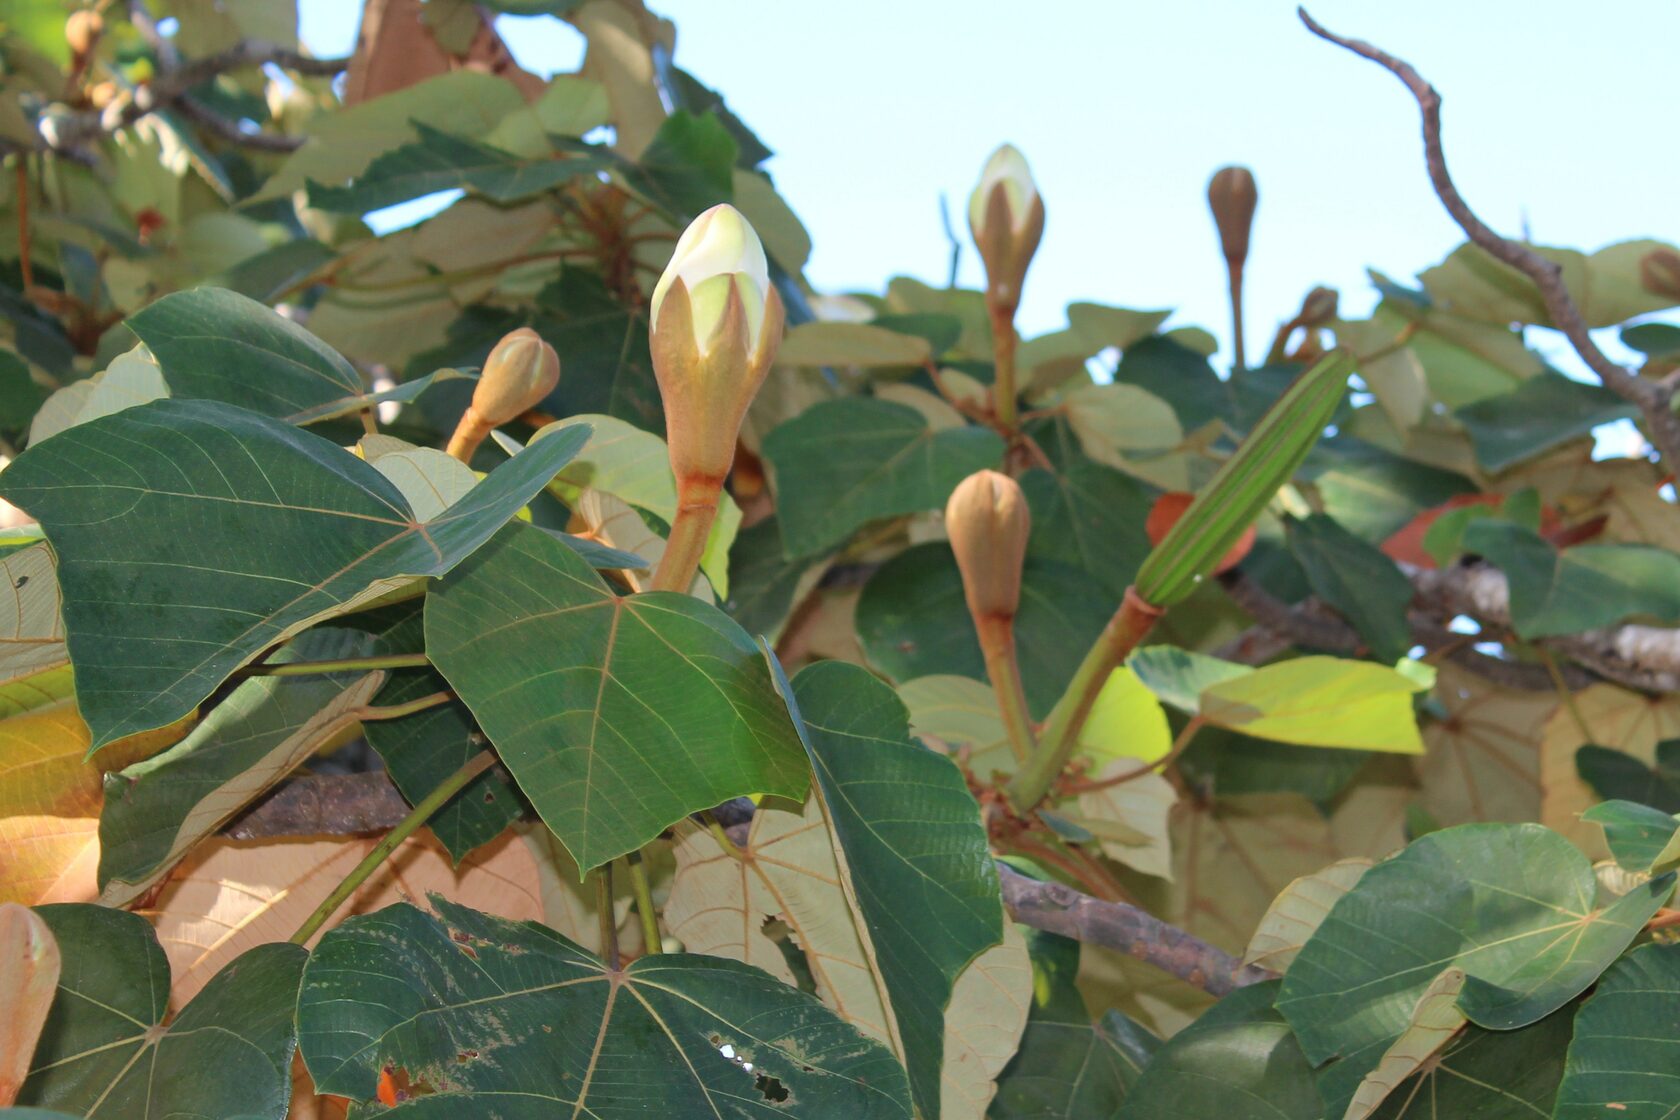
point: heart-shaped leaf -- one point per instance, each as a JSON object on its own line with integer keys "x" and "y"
{"x": 218, "y": 345}
{"x": 915, "y": 859}
{"x": 492, "y": 1017}
{"x": 105, "y": 1053}
{"x": 616, "y": 715}
{"x": 192, "y": 536}
{"x": 1510, "y": 905}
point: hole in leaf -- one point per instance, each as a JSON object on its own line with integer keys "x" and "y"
{"x": 772, "y": 1090}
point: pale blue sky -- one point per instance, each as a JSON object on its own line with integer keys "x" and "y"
{"x": 1557, "y": 115}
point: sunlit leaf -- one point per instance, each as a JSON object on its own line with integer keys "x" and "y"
{"x": 229, "y": 895}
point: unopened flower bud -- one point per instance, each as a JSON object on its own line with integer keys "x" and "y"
{"x": 1659, "y": 272}
{"x": 1318, "y": 308}
{"x": 1233, "y": 196}
{"x": 988, "y": 523}
{"x": 518, "y": 374}
{"x": 717, "y": 254}
{"x": 521, "y": 370}
{"x": 714, "y": 327}
{"x": 1006, "y": 217}
{"x": 82, "y": 30}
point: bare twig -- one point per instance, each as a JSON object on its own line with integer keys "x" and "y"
{"x": 1649, "y": 396}
{"x": 1126, "y": 929}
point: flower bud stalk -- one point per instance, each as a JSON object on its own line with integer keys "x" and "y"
{"x": 1233, "y": 197}
{"x": 518, "y": 374}
{"x": 988, "y": 523}
{"x": 1006, "y": 217}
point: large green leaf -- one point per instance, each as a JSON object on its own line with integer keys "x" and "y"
{"x": 487, "y": 1017}
{"x": 1617, "y": 775}
{"x": 1641, "y": 838}
{"x": 192, "y": 536}
{"x": 1564, "y": 592}
{"x": 1489, "y": 1075}
{"x": 1358, "y": 580}
{"x": 105, "y": 1053}
{"x": 438, "y": 161}
{"x": 1237, "y": 1062}
{"x": 218, "y": 345}
{"x": 1068, "y": 1067}
{"x": 913, "y": 853}
{"x": 913, "y": 622}
{"x": 616, "y": 715}
{"x": 1090, "y": 517}
{"x": 1536, "y": 416}
{"x": 1511, "y": 905}
{"x": 157, "y": 809}
{"x": 1625, "y": 1052}
{"x": 845, "y": 462}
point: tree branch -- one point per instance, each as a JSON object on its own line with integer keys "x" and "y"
{"x": 352, "y": 804}
{"x": 170, "y": 89}
{"x": 1125, "y": 929}
{"x": 1651, "y": 398}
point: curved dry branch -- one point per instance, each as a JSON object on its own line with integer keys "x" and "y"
{"x": 1651, "y": 398}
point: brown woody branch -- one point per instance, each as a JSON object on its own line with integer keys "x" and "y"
{"x": 169, "y": 90}
{"x": 1651, "y": 398}
{"x": 1125, "y": 929}
{"x": 353, "y": 804}
{"x": 1641, "y": 657}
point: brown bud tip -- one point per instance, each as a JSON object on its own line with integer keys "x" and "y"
{"x": 1233, "y": 196}
{"x": 1659, "y": 272}
{"x": 1318, "y": 308}
{"x": 82, "y": 30}
{"x": 518, "y": 374}
{"x": 988, "y": 523}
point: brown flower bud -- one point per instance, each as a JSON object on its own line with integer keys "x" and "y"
{"x": 1659, "y": 272}
{"x": 1006, "y": 217}
{"x": 1318, "y": 308}
{"x": 518, "y": 374}
{"x": 988, "y": 523}
{"x": 82, "y": 30}
{"x": 1233, "y": 196}
{"x": 716, "y": 324}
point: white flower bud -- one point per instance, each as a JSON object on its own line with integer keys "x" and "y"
{"x": 1008, "y": 168}
{"x": 718, "y": 251}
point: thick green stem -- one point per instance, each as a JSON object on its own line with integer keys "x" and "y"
{"x": 1003, "y": 374}
{"x": 346, "y": 665}
{"x": 642, "y": 892}
{"x": 997, "y": 642}
{"x": 696, "y": 511}
{"x": 407, "y": 827}
{"x": 1129, "y": 626}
